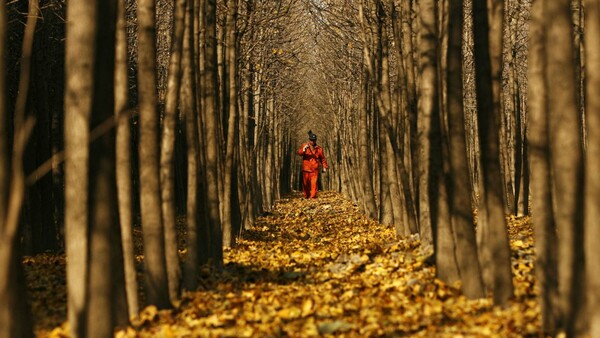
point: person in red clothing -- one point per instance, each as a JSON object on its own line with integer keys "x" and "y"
{"x": 312, "y": 158}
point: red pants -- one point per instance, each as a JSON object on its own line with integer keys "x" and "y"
{"x": 309, "y": 183}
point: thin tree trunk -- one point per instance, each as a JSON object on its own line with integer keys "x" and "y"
{"x": 458, "y": 191}
{"x": 493, "y": 224}
{"x": 592, "y": 163}
{"x": 541, "y": 183}
{"x": 105, "y": 260}
{"x": 78, "y": 106}
{"x": 4, "y": 136}
{"x": 123, "y": 160}
{"x": 210, "y": 110}
{"x": 363, "y": 152}
{"x": 232, "y": 130}
{"x": 155, "y": 274}
{"x": 427, "y": 109}
{"x": 189, "y": 109}
{"x": 566, "y": 160}
{"x": 167, "y": 154}
{"x": 14, "y": 312}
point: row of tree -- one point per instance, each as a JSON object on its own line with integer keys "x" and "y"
{"x": 200, "y": 147}
{"x": 428, "y": 110}
{"x": 446, "y": 108}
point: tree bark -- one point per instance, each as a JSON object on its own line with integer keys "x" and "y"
{"x": 189, "y": 109}
{"x": 541, "y": 183}
{"x": 78, "y": 106}
{"x": 493, "y": 225}
{"x": 592, "y": 163}
{"x": 232, "y": 130}
{"x": 459, "y": 192}
{"x": 123, "y": 160}
{"x": 210, "y": 111}
{"x": 167, "y": 154}
{"x": 14, "y": 312}
{"x": 428, "y": 96}
{"x": 155, "y": 274}
{"x": 566, "y": 161}
{"x": 105, "y": 260}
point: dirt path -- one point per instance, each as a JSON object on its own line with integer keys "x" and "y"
{"x": 319, "y": 267}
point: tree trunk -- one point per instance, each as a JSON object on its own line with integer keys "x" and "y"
{"x": 566, "y": 161}
{"x": 493, "y": 223}
{"x": 155, "y": 274}
{"x": 105, "y": 260}
{"x": 232, "y": 130}
{"x": 210, "y": 111}
{"x": 458, "y": 191}
{"x": 78, "y": 105}
{"x": 541, "y": 183}
{"x": 14, "y": 311}
{"x": 189, "y": 109}
{"x": 123, "y": 160}
{"x": 363, "y": 152}
{"x": 167, "y": 154}
{"x": 592, "y": 163}
{"x": 427, "y": 109}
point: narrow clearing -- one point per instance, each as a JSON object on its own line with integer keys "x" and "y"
{"x": 319, "y": 267}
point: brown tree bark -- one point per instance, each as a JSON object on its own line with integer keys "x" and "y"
{"x": 541, "y": 182}
{"x": 566, "y": 162}
{"x": 95, "y": 265}
{"x": 105, "y": 253}
{"x": 78, "y": 106}
{"x": 459, "y": 188}
{"x": 189, "y": 109}
{"x": 155, "y": 275}
{"x": 210, "y": 112}
{"x": 592, "y": 158}
{"x": 493, "y": 225}
{"x": 428, "y": 96}
{"x": 167, "y": 154}
{"x": 232, "y": 128}
{"x": 123, "y": 160}
{"x": 14, "y": 312}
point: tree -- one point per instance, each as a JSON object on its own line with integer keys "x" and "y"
{"x": 167, "y": 154}
{"x": 592, "y": 156}
{"x": 541, "y": 184}
{"x": 210, "y": 119}
{"x": 427, "y": 108}
{"x": 459, "y": 187}
{"x": 566, "y": 155}
{"x": 487, "y": 41}
{"x": 14, "y": 316}
{"x": 230, "y": 194}
{"x": 123, "y": 159}
{"x": 93, "y": 241}
{"x": 156, "y": 281}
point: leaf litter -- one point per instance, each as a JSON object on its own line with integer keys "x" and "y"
{"x": 321, "y": 268}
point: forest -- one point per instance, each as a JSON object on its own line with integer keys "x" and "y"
{"x": 150, "y": 186}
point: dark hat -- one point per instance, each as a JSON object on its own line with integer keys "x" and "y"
{"x": 313, "y": 137}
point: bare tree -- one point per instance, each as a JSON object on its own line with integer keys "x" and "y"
{"x": 459, "y": 187}
{"x": 541, "y": 183}
{"x": 592, "y": 156}
{"x": 14, "y": 312}
{"x": 487, "y": 42}
{"x": 566, "y": 161}
{"x": 167, "y": 154}
{"x": 428, "y": 95}
{"x": 123, "y": 159}
{"x": 156, "y": 281}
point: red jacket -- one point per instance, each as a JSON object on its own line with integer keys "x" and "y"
{"x": 312, "y": 158}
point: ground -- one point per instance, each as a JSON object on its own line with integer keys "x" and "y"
{"x": 317, "y": 267}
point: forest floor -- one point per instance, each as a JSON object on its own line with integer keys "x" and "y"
{"x": 317, "y": 268}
